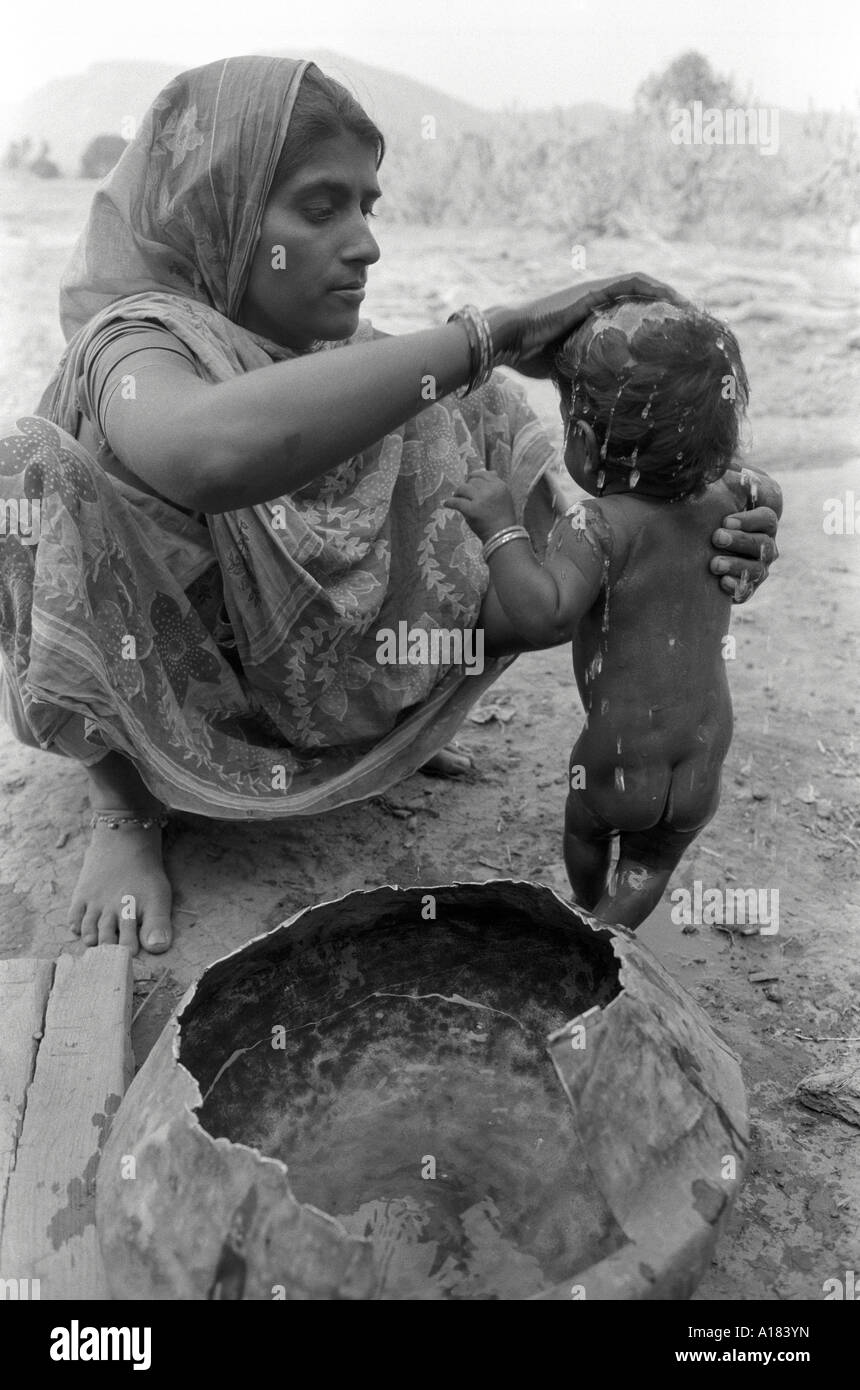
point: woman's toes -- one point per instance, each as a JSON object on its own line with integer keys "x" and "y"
{"x": 128, "y": 934}
{"x": 156, "y": 933}
{"x": 451, "y": 761}
{"x": 77, "y": 908}
{"x": 107, "y": 929}
{"x": 90, "y": 926}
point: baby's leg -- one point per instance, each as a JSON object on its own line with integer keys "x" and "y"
{"x": 646, "y": 861}
{"x": 587, "y": 851}
{"x": 647, "y": 858}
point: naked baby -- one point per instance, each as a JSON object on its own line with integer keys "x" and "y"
{"x": 652, "y": 396}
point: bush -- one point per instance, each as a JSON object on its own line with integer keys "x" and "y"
{"x": 100, "y": 156}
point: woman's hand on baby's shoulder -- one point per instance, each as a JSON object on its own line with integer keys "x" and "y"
{"x": 486, "y": 503}
{"x": 750, "y": 540}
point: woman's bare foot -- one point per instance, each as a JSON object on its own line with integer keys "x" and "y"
{"x": 122, "y": 893}
{"x": 450, "y": 761}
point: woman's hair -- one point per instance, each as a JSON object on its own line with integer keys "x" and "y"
{"x": 663, "y": 389}
{"x": 323, "y": 110}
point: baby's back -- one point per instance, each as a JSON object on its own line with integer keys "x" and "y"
{"x": 649, "y": 656}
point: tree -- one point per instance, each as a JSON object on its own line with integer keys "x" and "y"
{"x": 686, "y": 174}
{"x": 16, "y": 153}
{"x": 688, "y": 78}
{"x": 42, "y": 166}
{"x": 101, "y": 155}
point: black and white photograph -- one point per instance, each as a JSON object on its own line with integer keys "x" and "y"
{"x": 429, "y": 573}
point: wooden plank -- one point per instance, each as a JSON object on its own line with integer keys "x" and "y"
{"x": 24, "y": 989}
{"x": 83, "y": 1066}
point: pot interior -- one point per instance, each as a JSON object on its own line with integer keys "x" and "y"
{"x": 397, "y": 1064}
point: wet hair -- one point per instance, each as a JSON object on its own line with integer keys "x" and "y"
{"x": 665, "y": 398}
{"x": 323, "y": 110}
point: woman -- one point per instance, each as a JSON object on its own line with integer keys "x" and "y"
{"x": 231, "y": 507}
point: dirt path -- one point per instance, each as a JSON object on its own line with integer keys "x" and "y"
{"x": 790, "y": 816}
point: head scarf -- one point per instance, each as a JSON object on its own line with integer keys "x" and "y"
{"x": 172, "y": 230}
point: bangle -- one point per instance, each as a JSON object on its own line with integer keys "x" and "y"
{"x": 480, "y": 347}
{"x": 508, "y": 533}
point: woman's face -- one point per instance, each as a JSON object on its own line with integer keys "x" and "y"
{"x": 314, "y": 240}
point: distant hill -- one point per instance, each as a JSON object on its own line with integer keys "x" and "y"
{"x": 395, "y": 102}
{"x": 69, "y": 111}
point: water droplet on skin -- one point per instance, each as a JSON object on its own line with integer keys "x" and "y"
{"x": 679, "y": 456}
{"x": 751, "y": 484}
{"x": 671, "y": 641}
{"x": 619, "y": 779}
{"x": 721, "y": 344}
{"x": 618, "y": 744}
{"x": 634, "y": 478}
{"x": 594, "y": 667}
{"x": 601, "y": 477}
{"x": 605, "y": 446}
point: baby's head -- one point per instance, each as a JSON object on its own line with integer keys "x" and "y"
{"x": 653, "y": 396}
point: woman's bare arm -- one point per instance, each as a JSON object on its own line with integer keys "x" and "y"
{"x": 271, "y": 431}
{"x": 216, "y": 448}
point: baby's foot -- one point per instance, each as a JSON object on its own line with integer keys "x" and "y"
{"x": 122, "y": 889}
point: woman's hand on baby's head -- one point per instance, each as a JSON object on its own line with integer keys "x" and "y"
{"x": 529, "y": 336}
{"x": 486, "y": 503}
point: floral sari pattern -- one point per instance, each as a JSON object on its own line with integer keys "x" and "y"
{"x": 233, "y": 659}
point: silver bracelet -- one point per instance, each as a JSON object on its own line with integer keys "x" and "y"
{"x": 480, "y": 347}
{"x": 508, "y": 533}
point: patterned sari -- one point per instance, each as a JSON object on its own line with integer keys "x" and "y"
{"x": 233, "y": 657}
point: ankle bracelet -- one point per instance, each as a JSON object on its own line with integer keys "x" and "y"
{"x": 114, "y": 819}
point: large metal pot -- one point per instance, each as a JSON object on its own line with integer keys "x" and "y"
{"x": 470, "y": 1091}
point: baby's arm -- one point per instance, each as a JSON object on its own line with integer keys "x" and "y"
{"x": 542, "y": 603}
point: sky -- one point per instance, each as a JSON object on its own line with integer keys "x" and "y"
{"x": 494, "y": 53}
